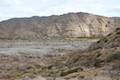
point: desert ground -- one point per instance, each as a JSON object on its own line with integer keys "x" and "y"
{"x": 43, "y": 47}
{"x": 17, "y": 56}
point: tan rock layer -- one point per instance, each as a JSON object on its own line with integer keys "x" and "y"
{"x": 67, "y": 25}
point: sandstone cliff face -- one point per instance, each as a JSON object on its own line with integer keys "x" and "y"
{"x": 68, "y": 25}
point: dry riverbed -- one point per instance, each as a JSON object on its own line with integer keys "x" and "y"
{"x": 42, "y": 47}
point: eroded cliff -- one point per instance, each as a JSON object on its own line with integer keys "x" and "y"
{"x": 71, "y": 25}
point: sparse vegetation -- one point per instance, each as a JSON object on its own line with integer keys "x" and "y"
{"x": 104, "y": 56}
{"x": 114, "y": 56}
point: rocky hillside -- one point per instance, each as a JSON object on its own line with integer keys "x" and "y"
{"x": 67, "y": 25}
{"x": 112, "y": 40}
{"x": 101, "y": 63}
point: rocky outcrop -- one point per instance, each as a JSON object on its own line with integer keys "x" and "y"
{"x": 67, "y": 25}
{"x": 112, "y": 40}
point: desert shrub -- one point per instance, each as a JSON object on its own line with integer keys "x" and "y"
{"x": 98, "y": 63}
{"x": 116, "y": 67}
{"x": 98, "y": 54}
{"x": 69, "y": 71}
{"x": 118, "y": 32}
{"x": 18, "y": 74}
{"x": 109, "y": 34}
{"x": 114, "y": 56}
{"x": 117, "y": 29}
{"x": 105, "y": 40}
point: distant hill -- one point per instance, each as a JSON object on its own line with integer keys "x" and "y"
{"x": 72, "y": 25}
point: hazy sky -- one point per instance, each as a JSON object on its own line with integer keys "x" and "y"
{"x": 27, "y": 8}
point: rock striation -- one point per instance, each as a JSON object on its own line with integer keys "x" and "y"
{"x": 112, "y": 40}
{"x": 71, "y": 25}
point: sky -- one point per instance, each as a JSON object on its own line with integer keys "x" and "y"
{"x": 27, "y": 8}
